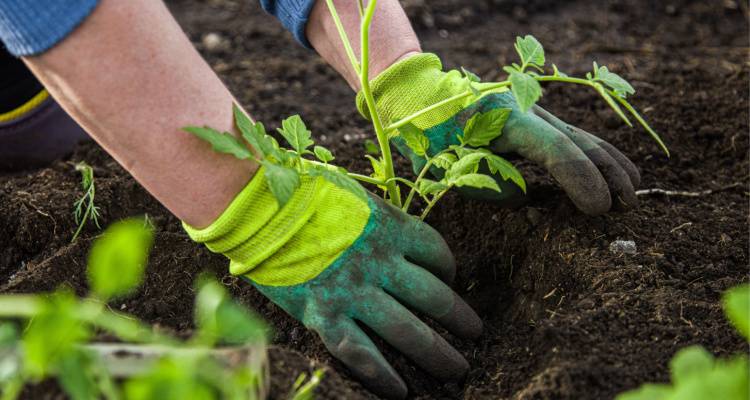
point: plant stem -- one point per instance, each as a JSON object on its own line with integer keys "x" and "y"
{"x": 344, "y": 36}
{"x": 433, "y": 202}
{"x": 366, "y": 179}
{"x": 385, "y": 146}
{"x": 439, "y": 104}
{"x": 643, "y": 123}
{"x": 421, "y": 175}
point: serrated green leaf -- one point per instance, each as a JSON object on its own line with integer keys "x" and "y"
{"x": 371, "y": 147}
{"x": 339, "y": 179}
{"x": 526, "y": 90}
{"x": 378, "y": 171}
{"x": 295, "y": 132}
{"x": 282, "y": 181}
{"x": 121, "y": 252}
{"x": 620, "y": 86}
{"x": 507, "y": 171}
{"x": 483, "y": 128}
{"x": 323, "y": 154}
{"x": 530, "y": 50}
{"x": 444, "y": 160}
{"x": 690, "y": 363}
{"x": 427, "y": 186}
{"x": 221, "y": 142}
{"x": 415, "y": 139}
{"x": 736, "y": 303}
{"x": 472, "y": 77}
{"x": 479, "y": 181}
{"x": 467, "y": 164}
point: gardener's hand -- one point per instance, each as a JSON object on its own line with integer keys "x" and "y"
{"x": 332, "y": 259}
{"x": 594, "y": 174}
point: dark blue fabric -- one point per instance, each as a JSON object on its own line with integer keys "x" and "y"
{"x": 293, "y": 14}
{"x": 29, "y": 27}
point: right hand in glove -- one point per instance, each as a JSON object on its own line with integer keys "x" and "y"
{"x": 330, "y": 258}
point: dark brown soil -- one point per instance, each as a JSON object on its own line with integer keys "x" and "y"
{"x": 565, "y": 318}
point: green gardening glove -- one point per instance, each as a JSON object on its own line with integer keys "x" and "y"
{"x": 591, "y": 171}
{"x": 332, "y": 259}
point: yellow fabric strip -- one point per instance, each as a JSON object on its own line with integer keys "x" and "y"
{"x": 25, "y": 108}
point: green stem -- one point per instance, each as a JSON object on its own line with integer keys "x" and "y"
{"x": 439, "y": 104}
{"x": 344, "y": 36}
{"x": 402, "y": 180}
{"x": 643, "y": 122}
{"x": 366, "y": 179}
{"x": 433, "y": 202}
{"x": 421, "y": 175}
{"x": 385, "y": 146}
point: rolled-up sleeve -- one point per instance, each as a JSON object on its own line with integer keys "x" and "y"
{"x": 29, "y": 27}
{"x": 293, "y": 14}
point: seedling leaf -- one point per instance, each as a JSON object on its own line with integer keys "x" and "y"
{"x": 500, "y": 165}
{"x": 444, "y": 160}
{"x": 465, "y": 165}
{"x": 339, "y": 179}
{"x": 526, "y": 90}
{"x": 323, "y": 154}
{"x": 415, "y": 139}
{"x": 620, "y": 86}
{"x": 221, "y": 142}
{"x": 118, "y": 259}
{"x": 472, "y": 77}
{"x": 530, "y": 50}
{"x": 295, "y": 132}
{"x": 737, "y": 308}
{"x": 478, "y": 181}
{"x": 483, "y": 128}
{"x": 427, "y": 186}
{"x": 282, "y": 181}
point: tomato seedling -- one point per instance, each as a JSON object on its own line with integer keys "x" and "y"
{"x": 458, "y": 164}
{"x": 84, "y": 209}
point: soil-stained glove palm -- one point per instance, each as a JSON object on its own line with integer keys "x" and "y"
{"x": 590, "y": 170}
{"x": 330, "y": 258}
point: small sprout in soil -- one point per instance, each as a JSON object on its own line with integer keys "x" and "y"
{"x": 303, "y": 388}
{"x": 84, "y": 209}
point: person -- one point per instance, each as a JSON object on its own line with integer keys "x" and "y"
{"x": 130, "y": 78}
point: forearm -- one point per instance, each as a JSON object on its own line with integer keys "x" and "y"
{"x": 132, "y": 79}
{"x": 391, "y": 36}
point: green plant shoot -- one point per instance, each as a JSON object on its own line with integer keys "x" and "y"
{"x": 84, "y": 209}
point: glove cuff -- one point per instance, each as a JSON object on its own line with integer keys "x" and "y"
{"x": 254, "y": 227}
{"x": 411, "y": 85}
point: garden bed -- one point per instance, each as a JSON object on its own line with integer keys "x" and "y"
{"x": 565, "y": 317}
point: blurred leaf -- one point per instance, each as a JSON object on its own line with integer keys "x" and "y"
{"x": 282, "y": 181}
{"x": 76, "y": 377}
{"x": 118, "y": 258}
{"x": 221, "y": 319}
{"x": 690, "y": 363}
{"x": 52, "y": 334}
{"x": 737, "y": 308}
{"x": 171, "y": 378}
{"x": 323, "y": 154}
{"x": 415, "y": 139}
{"x": 371, "y": 147}
{"x": 526, "y": 90}
{"x": 296, "y": 133}
{"x": 648, "y": 391}
{"x": 482, "y": 128}
{"x": 221, "y": 142}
